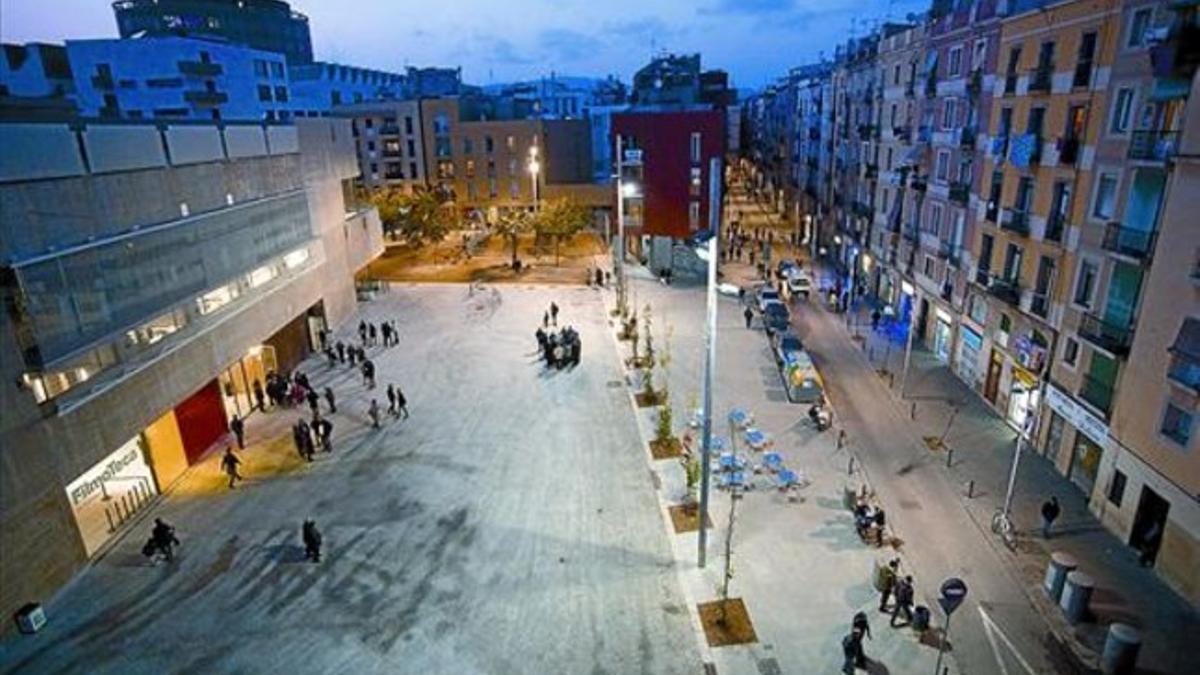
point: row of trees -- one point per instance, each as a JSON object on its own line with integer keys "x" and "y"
{"x": 427, "y": 215}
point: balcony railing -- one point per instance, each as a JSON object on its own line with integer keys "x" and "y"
{"x": 200, "y": 69}
{"x": 1039, "y": 304}
{"x": 871, "y": 171}
{"x": 983, "y": 276}
{"x": 1016, "y": 222}
{"x": 1006, "y": 290}
{"x": 1096, "y": 392}
{"x": 389, "y": 130}
{"x": 902, "y": 133}
{"x": 966, "y": 138}
{"x": 1108, "y": 336}
{"x": 1010, "y": 83}
{"x": 1068, "y": 151}
{"x": 1128, "y": 241}
{"x": 1041, "y": 78}
{"x": 975, "y": 83}
{"x": 1055, "y": 226}
{"x": 992, "y": 212}
{"x": 1153, "y": 145}
{"x": 960, "y": 192}
{"x": 1186, "y": 372}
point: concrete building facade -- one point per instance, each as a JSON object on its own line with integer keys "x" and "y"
{"x": 135, "y": 328}
{"x": 391, "y": 147}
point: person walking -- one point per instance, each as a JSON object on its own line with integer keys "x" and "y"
{"x": 164, "y": 539}
{"x": 1050, "y": 511}
{"x": 312, "y": 541}
{"x": 904, "y": 601}
{"x": 368, "y": 373}
{"x": 545, "y": 319}
{"x": 313, "y": 400}
{"x": 230, "y": 464}
{"x": 401, "y": 403}
{"x": 373, "y": 411}
{"x": 554, "y": 314}
{"x": 238, "y": 427}
{"x": 362, "y": 331}
{"x": 887, "y": 582}
{"x": 851, "y": 652}
{"x": 329, "y": 399}
{"x": 298, "y": 439}
{"x": 373, "y": 334}
{"x": 749, "y": 314}
{"x": 391, "y": 397}
{"x": 341, "y": 351}
{"x": 326, "y": 429}
{"x": 259, "y": 395}
{"x": 386, "y": 331}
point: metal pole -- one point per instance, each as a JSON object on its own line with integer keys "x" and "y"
{"x": 620, "y": 252}
{"x": 942, "y": 646}
{"x": 912, "y": 321}
{"x": 710, "y": 350}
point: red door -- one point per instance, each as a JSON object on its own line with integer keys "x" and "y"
{"x": 201, "y": 421}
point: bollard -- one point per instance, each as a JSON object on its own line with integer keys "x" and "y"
{"x": 1060, "y": 565}
{"x": 971, "y": 489}
{"x": 1120, "y": 650}
{"x": 108, "y": 515}
{"x": 913, "y": 412}
{"x": 841, "y": 441}
{"x": 1076, "y": 595}
{"x": 949, "y": 457}
{"x": 850, "y": 467}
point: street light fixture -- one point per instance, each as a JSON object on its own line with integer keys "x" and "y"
{"x": 534, "y": 167}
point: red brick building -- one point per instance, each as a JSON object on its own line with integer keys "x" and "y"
{"x": 672, "y": 177}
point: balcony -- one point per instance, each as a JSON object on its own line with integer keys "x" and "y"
{"x": 1015, "y": 221}
{"x": 982, "y": 276}
{"x": 1056, "y": 224}
{"x": 960, "y": 192}
{"x": 200, "y": 69}
{"x": 863, "y": 210}
{"x": 931, "y": 83}
{"x": 1097, "y": 393}
{"x": 1005, "y": 290}
{"x": 918, "y": 184}
{"x": 975, "y": 84}
{"x": 1039, "y": 80}
{"x": 910, "y": 89}
{"x": 866, "y": 132}
{"x": 1153, "y": 145}
{"x": 1039, "y": 304}
{"x": 1127, "y": 241}
{"x": 1068, "y": 151}
{"x": 1110, "y": 337}
{"x": 102, "y": 81}
{"x": 203, "y": 97}
{"x": 389, "y": 130}
{"x": 966, "y": 138}
{"x": 903, "y": 133}
{"x": 992, "y": 212}
{"x": 871, "y": 171}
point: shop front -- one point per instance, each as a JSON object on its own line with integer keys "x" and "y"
{"x": 942, "y": 335}
{"x": 237, "y": 380}
{"x": 109, "y": 493}
{"x": 1023, "y": 396}
{"x": 202, "y": 421}
{"x": 1087, "y": 447}
{"x": 1085, "y": 463}
{"x": 970, "y": 345}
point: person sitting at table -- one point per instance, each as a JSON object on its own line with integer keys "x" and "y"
{"x": 864, "y": 518}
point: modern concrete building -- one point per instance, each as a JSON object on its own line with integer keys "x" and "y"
{"x": 267, "y": 25}
{"x": 36, "y": 82}
{"x": 320, "y": 86}
{"x": 391, "y": 148}
{"x": 133, "y": 328}
{"x": 179, "y": 78}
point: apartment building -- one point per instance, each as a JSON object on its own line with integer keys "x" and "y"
{"x": 389, "y": 143}
{"x": 137, "y": 327}
{"x": 901, "y": 53}
{"x": 490, "y": 165}
{"x": 1116, "y": 428}
{"x": 857, "y": 99}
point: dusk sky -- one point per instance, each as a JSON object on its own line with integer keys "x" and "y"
{"x": 495, "y": 41}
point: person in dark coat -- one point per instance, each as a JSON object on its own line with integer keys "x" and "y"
{"x": 904, "y": 600}
{"x": 888, "y": 582}
{"x": 230, "y": 464}
{"x": 313, "y": 400}
{"x": 391, "y": 397}
{"x": 341, "y": 351}
{"x": 312, "y": 541}
{"x": 554, "y": 313}
{"x": 1050, "y": 511}
{"x": 749, "y": 314}
{"x": 258, "y": 395}
{"x": 238, "y": 427}
{"x": 163, "y": 536}
{"x": 401, "y": 403}
{"x": 329, "y": 399}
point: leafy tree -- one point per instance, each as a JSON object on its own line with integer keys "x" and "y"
{"x": 422, "y": 216}
{"x": 511, "y": 226}
{"x": 560, "y": 218}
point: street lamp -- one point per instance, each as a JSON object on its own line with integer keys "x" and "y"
{"x": 534, "y": 167}
{"x": 711, "y": 255}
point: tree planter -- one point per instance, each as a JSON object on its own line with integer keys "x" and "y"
{"x": 686, "y": 517}
{"x": 666, "y": 449}
{"x": 726, "y": 622}
{"x": 648, "y": 399}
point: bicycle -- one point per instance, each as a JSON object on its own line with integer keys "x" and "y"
{"x": 1002, "y": 525}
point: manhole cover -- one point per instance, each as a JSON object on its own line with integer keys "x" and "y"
{"x": 615, "y": 384}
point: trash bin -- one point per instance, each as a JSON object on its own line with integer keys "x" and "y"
{"x": 920, "y": 618}
{"x": 1060, "y": 565}
{"x": 30, "y": 618}
{"x": 1076, "y": 595}
{"x": 849, "y": 498}
{"x": 1120, "y": 650}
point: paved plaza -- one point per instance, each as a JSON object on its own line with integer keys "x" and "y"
{"x": 509, "y": 526}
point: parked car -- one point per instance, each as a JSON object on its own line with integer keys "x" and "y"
{"x": 764, "y": 295}
{"x": 786, "y": 342}
{"x": 799, "y": 285}
{"x": 775, "y": 317}
{"x": 785, "y": 267}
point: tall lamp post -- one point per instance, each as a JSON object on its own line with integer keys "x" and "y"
{"x": 712, "y": 254}
{"x": 534, "y": 167}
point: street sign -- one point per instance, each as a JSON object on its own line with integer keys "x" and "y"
{"x": 633, "y": 157}
{"x": 954, "y": 591}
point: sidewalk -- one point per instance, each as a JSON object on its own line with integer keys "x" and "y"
{"x": 983, "y": 444}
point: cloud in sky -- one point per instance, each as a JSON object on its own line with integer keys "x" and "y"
{"x": 755, "y": 40}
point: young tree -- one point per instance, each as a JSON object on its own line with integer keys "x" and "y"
{"x": 560, "y": 218}
{"x": 511, "y": 226}
{"x": 422, "y": 216}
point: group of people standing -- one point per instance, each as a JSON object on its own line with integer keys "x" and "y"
{"x": 891, "y": 585}
{"x": 559, "y": 348}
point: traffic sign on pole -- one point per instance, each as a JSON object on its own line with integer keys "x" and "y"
{"x": 953, "y": 592}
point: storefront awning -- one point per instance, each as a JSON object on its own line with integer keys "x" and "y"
{"x": 1187, "y": 341}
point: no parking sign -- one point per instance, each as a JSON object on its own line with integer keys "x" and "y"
{"x": 954, "y": 591}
